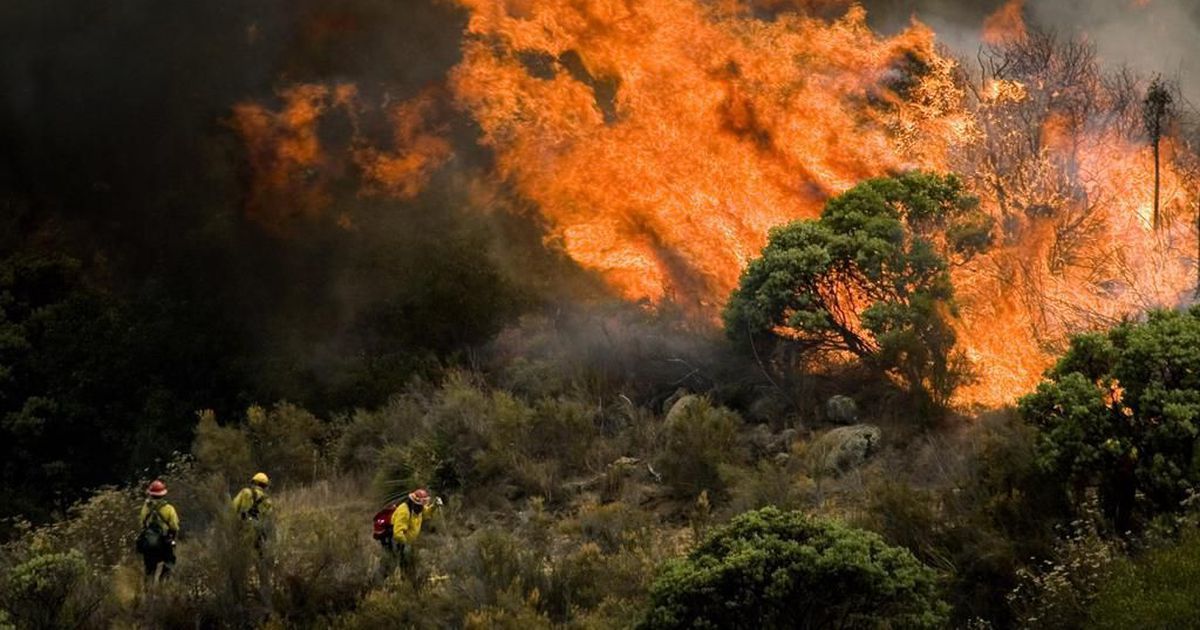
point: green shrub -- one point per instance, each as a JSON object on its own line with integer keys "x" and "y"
{"x": 222, "y": 450}
{"x": 322, "y": 561}
{"x": 1121, "y": 412}
{"x": 52, "y": 590}
{"x": 700, "y": 443}
{"x": 775, "y": 569}
{"x": 888, "y": 240}
{"x": 286, "y": 440}
{"x": 1162, "y": 587}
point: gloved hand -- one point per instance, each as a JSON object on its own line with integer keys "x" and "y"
{"x": 438, "y": 502}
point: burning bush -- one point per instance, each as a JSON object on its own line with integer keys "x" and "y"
{"x": 869, "y": 278}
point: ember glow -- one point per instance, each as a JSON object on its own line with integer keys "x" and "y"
{"x": 660, "y": 140}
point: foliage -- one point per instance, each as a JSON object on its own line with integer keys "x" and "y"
{"x": 89, "y": 389}
{"x": 774, "y": 569}
{"x": 286, "y": 441}
{"x": 870, "y": 277}
{"x": 1058, "y": 592}
{"x": 51, "y": 590}
{"x": 1162, "y": 585}
{"x": 700, "y": 443}
{"x": 1121, "y": 412}
{"x": 991, "y": 512}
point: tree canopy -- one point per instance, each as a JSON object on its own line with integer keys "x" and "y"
{"x": 776, "y": 569}
{"x": 1120, "y": 412}
{"x": 869, "y": 277}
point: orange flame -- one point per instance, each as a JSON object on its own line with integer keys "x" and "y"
{"x": 292, "y": 171}
{"x": 662, "y": 139}
{"x": 1006, "y": 24}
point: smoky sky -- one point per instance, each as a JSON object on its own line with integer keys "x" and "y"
{"x": 1152, "y": 37}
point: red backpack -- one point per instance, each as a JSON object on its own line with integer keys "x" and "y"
{"x": 382, "y": 526}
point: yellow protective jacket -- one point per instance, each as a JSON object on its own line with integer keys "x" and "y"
{"x": 252, "y": 503}
{"x": 161, "y": 512}
{"x": 406, "y": 526}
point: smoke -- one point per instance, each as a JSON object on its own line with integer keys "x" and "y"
{"x": 1149, "y": 36}
{"x": 119, "y": 140}
{"x": 121, "y": 145}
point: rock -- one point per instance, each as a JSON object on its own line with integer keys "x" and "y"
{"x": 759, "y": 440}
{"x": 841, "y": 410}
{"x": 840, "y": 450}
{"x": 681, "y": 407}
{"x": 673, "y": 398}
{"x": 625, "y": 462}
{"x": 771, "y": 407}
{"x": 785, "y": 440}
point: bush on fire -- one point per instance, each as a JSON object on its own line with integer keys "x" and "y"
{"x": 870, "y": 277}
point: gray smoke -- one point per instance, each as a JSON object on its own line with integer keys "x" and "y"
{"x": 1152, "y": 37}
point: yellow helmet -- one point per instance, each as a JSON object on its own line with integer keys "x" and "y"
{"x": 261, "y": 479}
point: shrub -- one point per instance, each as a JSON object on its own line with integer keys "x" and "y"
{"x": 286, "y": 440}
{"x": 888, "y": 241}
{"x": 322, "y": 559}
{"x": 1121, "y": 412}
{"x": 1162, "y": 586}
{"x": 1058, "y": 592}
{"x": 700, "y": 443}
{"x": 105, "y": 526}
{"x": 222, "y": 450}
{"x": 52, "y": 590}
{"x": 775, "y": 569}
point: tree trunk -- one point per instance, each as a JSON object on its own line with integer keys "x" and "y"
{"x": 1157, "y": 183}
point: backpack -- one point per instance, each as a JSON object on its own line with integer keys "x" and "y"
{"x": 381, "y": 529}
{"x": 253, "y": 512}
{"x": 153, "y": 535}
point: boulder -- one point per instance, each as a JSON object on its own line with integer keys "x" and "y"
{"x": 838, "y": 451}
{"x": 841, "y": 410}
{"x": 681, "y": 406}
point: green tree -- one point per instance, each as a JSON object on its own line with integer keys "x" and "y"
{"x": 869, "y": 277}
{"x": 775, "y": 569}
{"x": 93, "y": 386}
{"x": 1120, "y": 412}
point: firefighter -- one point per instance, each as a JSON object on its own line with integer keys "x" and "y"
{"x": 160, "y": 527}
{"x": 253, "y": 505}
{"x": 406, "y": 522}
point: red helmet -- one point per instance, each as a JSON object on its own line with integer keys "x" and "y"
{"x": 419, "y": 496}
{"x": 157, "y": 489}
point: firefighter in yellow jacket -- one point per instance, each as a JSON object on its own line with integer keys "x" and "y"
{"x": 253, "y": 505}
{"x": 160, "y": 527}
{"x": 406, "y": 522}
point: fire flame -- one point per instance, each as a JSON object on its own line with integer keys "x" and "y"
{"x": 662, "y": 139}
{"x": 292, "y": 169}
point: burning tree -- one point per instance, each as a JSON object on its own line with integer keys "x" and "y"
{"x": 1060, "y": 160}
{"x": 1155, "y": 116}
{"x": 870, "y": 278}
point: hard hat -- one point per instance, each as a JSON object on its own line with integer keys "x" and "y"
{"x": 261, "y": 479}
{"x": 157, "y": 489}
{"x": 419, "y": 496}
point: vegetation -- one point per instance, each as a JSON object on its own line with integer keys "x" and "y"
{"x": 1162, "y": 585}
{"x": 774, "y": 569}
{"x": 1120, "y": 414}
{"x": 870, "y": 277}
